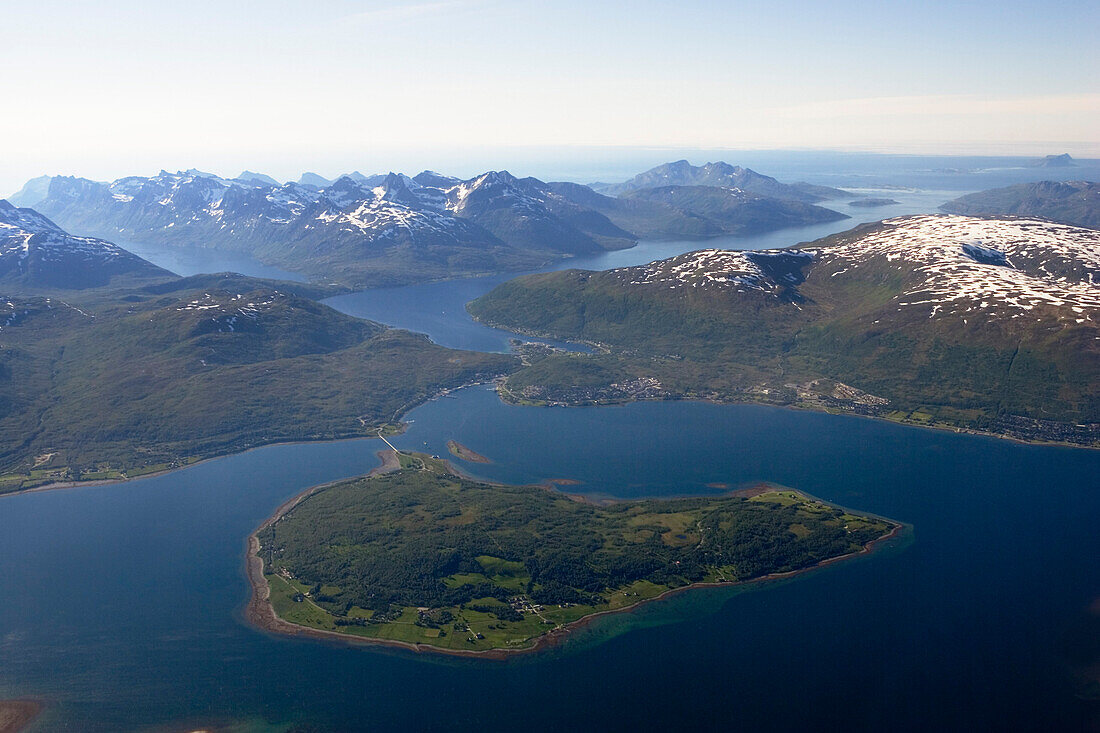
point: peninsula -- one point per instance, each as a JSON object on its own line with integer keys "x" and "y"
{"x": 422, "y": 558}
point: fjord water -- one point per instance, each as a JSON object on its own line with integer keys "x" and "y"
{"x": 187, "y": 261}
{"x": 123, "y": 603}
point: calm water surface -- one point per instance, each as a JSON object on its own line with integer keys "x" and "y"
{"x": 122, "y": 605}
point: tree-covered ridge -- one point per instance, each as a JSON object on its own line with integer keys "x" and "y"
{"x": 961, "y": 322}
{"x": 125, "y": 383}
{"x": 408, "y": 554}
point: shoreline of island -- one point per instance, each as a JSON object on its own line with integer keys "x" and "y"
{"x": 259, "y": 611}
{"x": 465, "y": 453}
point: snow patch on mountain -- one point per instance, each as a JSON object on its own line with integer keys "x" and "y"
{"x": 225, "y": 311}
{"x": 961, "y": 265}
{"x": 763, "y": 270}
{"x": 22, "y": 229}
{"x": 951, "y": 265}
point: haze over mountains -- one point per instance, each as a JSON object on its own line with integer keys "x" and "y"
{"x": 392, "y": 229}
{"x": 371, "y": 231}
{"x": 1064, "y": 160}
{"x": 721, "y": 175}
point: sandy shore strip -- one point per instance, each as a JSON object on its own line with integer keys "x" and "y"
{"x": 262, "y": 614}
{"x": 16, "y": 715}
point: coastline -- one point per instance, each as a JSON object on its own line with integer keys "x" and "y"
{"x": 59, "y": 485}
{"x": 508, "y": 398}
{"x": 260, "y": 613}
{"x": 505, "y": 396}
{"x": 400, "y": 428}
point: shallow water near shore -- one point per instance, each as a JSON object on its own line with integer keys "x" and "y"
{"x": 124, "y": 608}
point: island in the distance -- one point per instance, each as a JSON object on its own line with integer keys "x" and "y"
{"x": 872, "y": 203}
{"x": 422, "y": 558}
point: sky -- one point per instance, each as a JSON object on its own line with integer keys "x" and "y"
{"x": 110, "y": 89}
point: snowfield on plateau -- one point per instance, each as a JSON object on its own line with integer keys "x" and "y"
{"x": 950, "y": 265}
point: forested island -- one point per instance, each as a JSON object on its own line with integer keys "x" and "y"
{"x": 423, "y": 558}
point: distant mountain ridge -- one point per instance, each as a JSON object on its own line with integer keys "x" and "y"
{"x": 1072, "y": 202}
{"x": 32, "y": 192}
{"x": 253, "y": 177}
{"x": 36, "y": 253}
{"x": 1056, "y": 161}
{"x": 393, "y": 229}
{"x": 359, "y": 230}
{"x": 722, "y": 175}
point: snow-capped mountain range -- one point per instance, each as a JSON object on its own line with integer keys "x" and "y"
{"x": 393, "y": 229}
{"x": 348, "y": 230}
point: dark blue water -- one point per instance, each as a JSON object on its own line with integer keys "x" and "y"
{"x": 122, "y": 604}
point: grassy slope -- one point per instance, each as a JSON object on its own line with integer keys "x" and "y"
{"x": 752, "y": 346}
{"x": 362, "y": 556}
{"x": 133, "y": 384}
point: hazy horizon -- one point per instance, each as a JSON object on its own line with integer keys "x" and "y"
{"x": 284, "y": 87}
{"x": 582, "y": 164}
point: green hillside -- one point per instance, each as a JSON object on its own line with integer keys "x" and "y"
{"x": 898, "y": 320}
{"x": 124, "y": 384}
